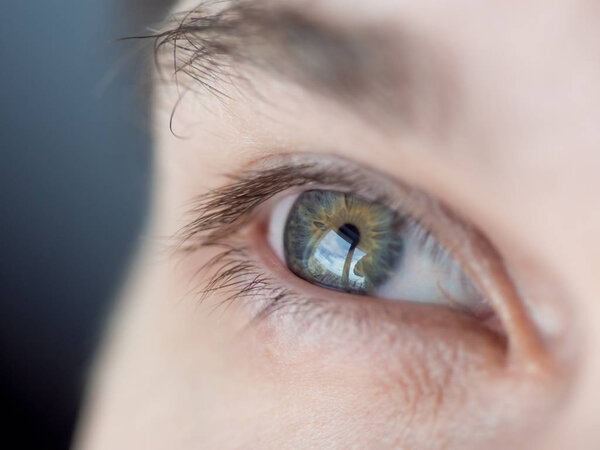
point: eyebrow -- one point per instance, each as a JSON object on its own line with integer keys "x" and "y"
{"x": 375, "y": 72}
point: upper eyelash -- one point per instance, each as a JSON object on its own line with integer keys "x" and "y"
{"x": 221, "y": 212}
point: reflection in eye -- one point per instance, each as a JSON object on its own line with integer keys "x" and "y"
{"x": 346, "y": 243}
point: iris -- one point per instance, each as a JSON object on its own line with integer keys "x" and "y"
{"x": 342, "y": 241}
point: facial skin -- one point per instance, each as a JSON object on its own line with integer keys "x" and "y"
{"x": 503, "y": 133}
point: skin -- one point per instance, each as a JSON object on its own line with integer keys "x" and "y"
{"x": 519, "y": 160}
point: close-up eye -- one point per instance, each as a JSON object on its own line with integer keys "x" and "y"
{"x": 329, "y": 261}
{"x": 319, "y": 236}
{"x": 301, "y": 224}
{"x": 341, "y": 241}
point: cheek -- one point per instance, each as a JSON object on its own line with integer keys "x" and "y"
{"x": 389, "y": 393}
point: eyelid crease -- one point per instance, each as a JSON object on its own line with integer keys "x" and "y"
{"x": 484, "y": 266}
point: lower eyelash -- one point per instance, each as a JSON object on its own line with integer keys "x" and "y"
{"x": 241, "y": 278}
{"x": 233, "y": 271}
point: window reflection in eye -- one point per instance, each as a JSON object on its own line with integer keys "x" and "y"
{"x": 329, "y": 256}
{"x": 343, "y": 242}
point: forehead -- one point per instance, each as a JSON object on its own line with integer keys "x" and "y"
{"x": 522, "y": 65}
{"x": 443, "y": 15}
{"x": 494, "y": 38}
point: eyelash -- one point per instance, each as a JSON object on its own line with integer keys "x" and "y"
{"x": 221, "y": 214}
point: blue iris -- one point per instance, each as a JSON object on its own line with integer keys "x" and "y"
{"x": 341, "y": 241}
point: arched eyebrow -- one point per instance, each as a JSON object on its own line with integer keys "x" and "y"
{"x": 369, "y": 70}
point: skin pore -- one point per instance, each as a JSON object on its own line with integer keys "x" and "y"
{"x": 477, "y": 118}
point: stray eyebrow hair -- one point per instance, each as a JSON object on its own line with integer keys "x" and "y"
{"x": 367, "y": 69}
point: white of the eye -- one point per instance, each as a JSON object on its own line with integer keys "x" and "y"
{"x": 277, "y": 222}
{"x": 428, "y": 274}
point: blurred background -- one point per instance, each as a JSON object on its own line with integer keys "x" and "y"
{"x": 74, "y": 180}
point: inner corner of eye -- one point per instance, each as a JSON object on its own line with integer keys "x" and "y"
{"x": 276, "y": 224}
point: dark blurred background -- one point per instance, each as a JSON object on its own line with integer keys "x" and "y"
{"x": 74, "y": 180}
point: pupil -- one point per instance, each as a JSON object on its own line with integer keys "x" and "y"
{"x": 350, "y": 234}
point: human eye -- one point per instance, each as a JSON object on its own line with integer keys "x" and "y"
{"x": 345, "y": 281}
{"x": 342, "y": 241}
{"x": 296, "y": 237}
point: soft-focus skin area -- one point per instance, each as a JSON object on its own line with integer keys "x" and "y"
{"x": 519, "y": 160}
